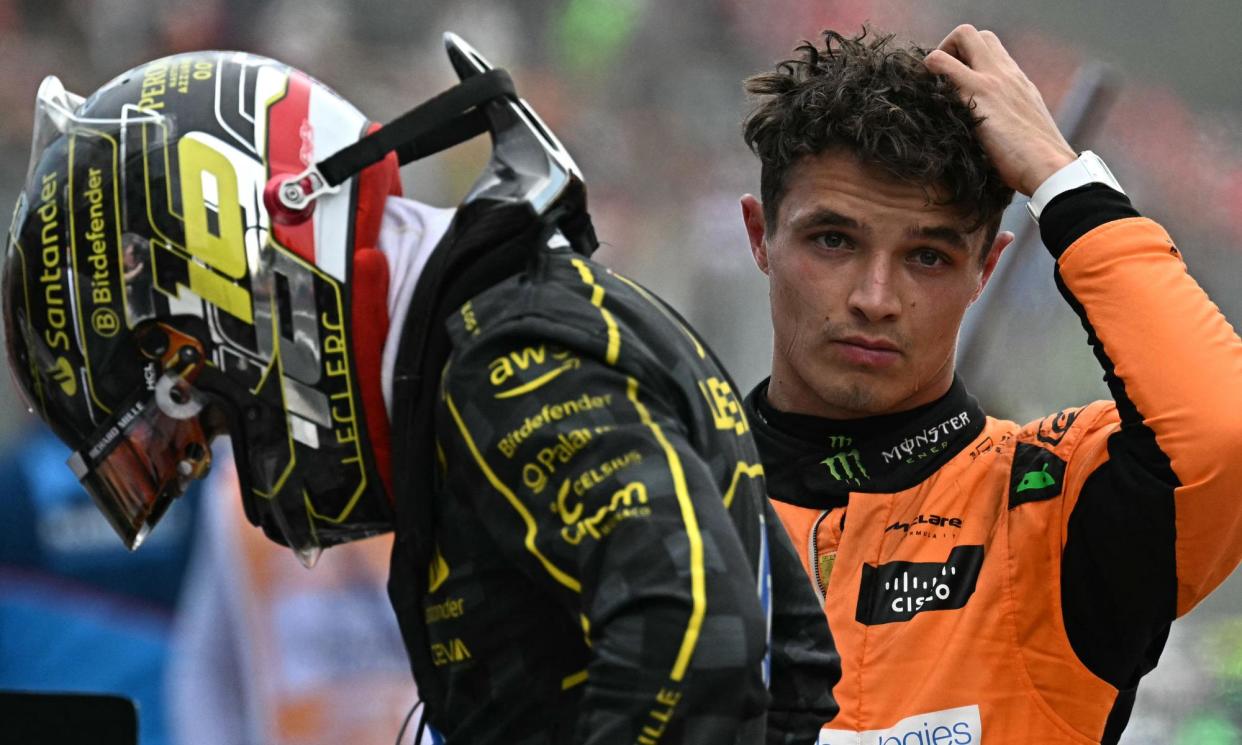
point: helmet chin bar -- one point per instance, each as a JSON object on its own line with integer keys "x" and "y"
{"x": 144, "y": 456}
{"x": 181, "y": 361}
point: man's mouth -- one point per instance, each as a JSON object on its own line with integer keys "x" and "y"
{"x": 867, "y": 351}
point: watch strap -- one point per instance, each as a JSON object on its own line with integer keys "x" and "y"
{"x": 1088, "y": 168}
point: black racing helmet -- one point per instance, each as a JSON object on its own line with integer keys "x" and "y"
{"x": 180, "y": 267}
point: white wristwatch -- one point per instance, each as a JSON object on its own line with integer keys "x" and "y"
{"x": 1088, "y": 169}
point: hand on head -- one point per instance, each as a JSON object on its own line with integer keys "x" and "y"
{"x": 1017, "y": 132}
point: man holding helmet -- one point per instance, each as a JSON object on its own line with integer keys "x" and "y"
{"x": 214, "y": 243}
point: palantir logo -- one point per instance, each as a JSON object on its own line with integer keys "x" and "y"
{"x": 899, "y": 590}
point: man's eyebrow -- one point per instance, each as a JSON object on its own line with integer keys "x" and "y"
{"x": 824, "y": 217}
{"x": 943, "y": 233}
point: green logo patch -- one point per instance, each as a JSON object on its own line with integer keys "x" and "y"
{"x": 1037, "y": 475}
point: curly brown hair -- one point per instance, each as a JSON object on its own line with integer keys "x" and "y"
{"x": 881, "y": 103}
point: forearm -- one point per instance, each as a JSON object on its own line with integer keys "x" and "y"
{"x": 637, "y": 692}
{"x": 1173, "y": 364}
{"x": 1168, "y": 354}
{"x": 676, "y": 630}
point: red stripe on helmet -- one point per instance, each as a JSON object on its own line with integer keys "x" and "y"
{"x": 290, "y": 150}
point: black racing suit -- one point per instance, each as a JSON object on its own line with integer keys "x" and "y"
{"x": 602, "y": 532}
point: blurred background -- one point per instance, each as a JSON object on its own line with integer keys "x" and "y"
{"x": 648, "y": 99}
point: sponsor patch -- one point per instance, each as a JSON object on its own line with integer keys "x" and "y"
{"x": 1037, "y": 475}
{"x": 960, "y": 726}
{"x": 899, "y": 590}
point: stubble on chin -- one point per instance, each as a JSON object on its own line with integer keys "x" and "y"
{"x": 852, "y": 399}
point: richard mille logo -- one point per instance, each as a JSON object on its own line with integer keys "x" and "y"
{"x": 899, "y": 590}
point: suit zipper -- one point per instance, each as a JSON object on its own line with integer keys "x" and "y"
{"x": 813, "y": 554}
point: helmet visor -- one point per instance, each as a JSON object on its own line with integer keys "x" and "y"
{"x": 144, "y": 457}
{"x": 54, "y": 116}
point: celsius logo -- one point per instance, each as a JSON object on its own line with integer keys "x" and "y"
{"x": 960, "y": 726}
{"x": 899, "y": 590}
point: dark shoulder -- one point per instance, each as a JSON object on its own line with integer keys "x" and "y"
{"x": 568, "y": 310}
{"x": 579, "y": 303}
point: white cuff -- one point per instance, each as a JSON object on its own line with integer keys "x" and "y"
{"x": 1087, "y": 169}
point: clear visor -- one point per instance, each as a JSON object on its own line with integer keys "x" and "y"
{"x": 56, "y": 115}
{"x": 144, "y": 457}
{"x": 96, "y": 149}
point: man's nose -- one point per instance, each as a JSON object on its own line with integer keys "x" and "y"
{"x": 874, "y": 296}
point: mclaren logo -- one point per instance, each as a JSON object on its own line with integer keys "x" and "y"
{"x": 64, "y": 376}
{"x": 922, "y": 524}
{"x": 847, "y": 466}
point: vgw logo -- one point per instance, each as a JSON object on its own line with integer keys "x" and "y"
{"x": 899, "y": 590}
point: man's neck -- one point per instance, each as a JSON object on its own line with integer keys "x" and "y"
{"x": 819, "y": 461}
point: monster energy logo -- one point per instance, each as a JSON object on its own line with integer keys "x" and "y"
{"x": 839, "y": 465}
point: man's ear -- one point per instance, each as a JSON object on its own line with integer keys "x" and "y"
{"x": 752, "y": 216}
{"x": 1002, "y": 241}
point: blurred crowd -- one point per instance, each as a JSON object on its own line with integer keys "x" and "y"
{"x": 647, "y": 97}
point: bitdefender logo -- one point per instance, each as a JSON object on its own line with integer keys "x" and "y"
{"x": 899, "y": 590}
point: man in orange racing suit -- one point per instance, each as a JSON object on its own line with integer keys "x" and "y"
{"x": 985, "y": 581}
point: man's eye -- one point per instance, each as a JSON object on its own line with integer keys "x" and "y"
{"x": 929, "y": 257}
{"x": 831, "y": 240}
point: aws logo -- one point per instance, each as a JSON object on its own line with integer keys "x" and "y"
{"x": 514, "y": 364}
{"x": 64, "y": 375}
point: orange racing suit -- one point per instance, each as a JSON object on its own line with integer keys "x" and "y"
{"x": 992, "y": 582}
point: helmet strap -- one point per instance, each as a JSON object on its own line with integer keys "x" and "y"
{"x": 445, "y": 120}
